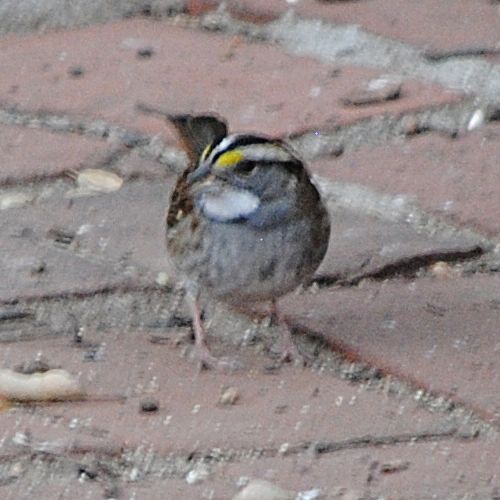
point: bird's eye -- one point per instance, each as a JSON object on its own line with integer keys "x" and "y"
{"x": 246, "y": 167}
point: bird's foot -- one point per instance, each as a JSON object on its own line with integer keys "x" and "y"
{"x": 206, "y": 360}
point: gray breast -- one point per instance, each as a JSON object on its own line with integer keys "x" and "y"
{"x": 235, "y": 262}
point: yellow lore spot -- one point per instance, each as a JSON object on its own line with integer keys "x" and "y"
{"x": 229, "y": 159}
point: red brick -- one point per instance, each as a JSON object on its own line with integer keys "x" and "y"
{"x": 30, "y": 154}
{"x": 190, "y": 71}
{"x": 457, "y": 179}
{"x": 117, "y": 238}
{"x": 436, "y": 25}
{"x": 362, "y": 244}
{"x": 439, "y": 334}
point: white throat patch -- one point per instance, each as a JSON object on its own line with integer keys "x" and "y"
{"x": 230, "y": 204}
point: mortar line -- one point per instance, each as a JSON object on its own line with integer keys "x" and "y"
{"x": 220, "y": 456}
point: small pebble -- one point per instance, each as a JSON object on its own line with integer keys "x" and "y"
{"x": 411, "y": 126}
{"x": 198, "y": 474}
{"x": 283, "y": 449}
{"x": 38, "y": 268}
{"x": 76, "y": 71}
{"x": 258, "y": 489}
{"x": 145, "y": 52}
{"x": 394, "y": 466}
{"x": 162, "y": 279}
{"x": 229, "y": 396}
{"x": 477, "y": 120}
{"x": 442, "y": 270}
{"x": 313, "y": 494}
{"x": 134, "y": 474}
{"x": 150, "y": 405}
{"x": 376, "y": 91}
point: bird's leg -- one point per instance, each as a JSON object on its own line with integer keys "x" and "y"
{"x": 289, "y": 351}
{"x": 201, "y": 350}
{"x": 200, "y": 343}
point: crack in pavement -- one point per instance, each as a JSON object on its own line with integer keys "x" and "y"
{"x": 406, "y": 267}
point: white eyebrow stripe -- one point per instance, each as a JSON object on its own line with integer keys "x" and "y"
{"x": 266, "y": 152}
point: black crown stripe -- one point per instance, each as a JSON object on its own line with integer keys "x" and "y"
{"x": 243, "y": 140}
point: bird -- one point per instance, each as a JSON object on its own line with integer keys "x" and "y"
{"x": 245, "y": 223}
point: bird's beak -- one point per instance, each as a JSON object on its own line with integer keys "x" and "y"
{"x": 201, "y": 171}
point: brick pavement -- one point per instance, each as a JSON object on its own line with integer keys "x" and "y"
{"x": 401, "y": 400}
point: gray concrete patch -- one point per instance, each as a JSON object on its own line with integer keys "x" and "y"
{"x": 30, "y": 15}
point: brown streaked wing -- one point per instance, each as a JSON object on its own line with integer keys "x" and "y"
{"x": 196, "y": 133}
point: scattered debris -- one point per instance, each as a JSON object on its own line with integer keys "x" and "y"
{"x": 51, "y": 385}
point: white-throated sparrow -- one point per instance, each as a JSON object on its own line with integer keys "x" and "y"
{"x": 245, "y": 222}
